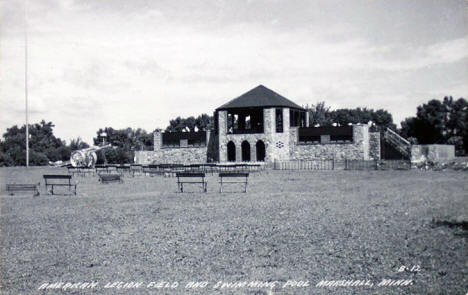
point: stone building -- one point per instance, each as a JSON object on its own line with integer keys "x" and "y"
{"x": 263, "y": 126}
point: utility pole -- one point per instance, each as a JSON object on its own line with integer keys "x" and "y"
{"x": 26, "y": 79}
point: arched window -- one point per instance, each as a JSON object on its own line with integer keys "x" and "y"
{"x": 231, "y": 152}
{"x": 245, "y": 151}
{"x": 260, "y": 146}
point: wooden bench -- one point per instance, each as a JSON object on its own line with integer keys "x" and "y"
{"x": 170, "y": 170}
{"x": 136, "y": 169}
{"x": 192, "y": 178}
{"x": 23, "y": 187}
{"x": 83, "y": 171}
{"x": 235, "y": 175}
{"x": 72, "y": 170}
{"x": 122, "y": 169}
{"x": 108, "y": 178}
{"x": 59, "y": 180}
{"x": 154, "y": 169}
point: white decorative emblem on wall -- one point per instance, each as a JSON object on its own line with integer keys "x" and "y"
{"x": 279, "y": 144}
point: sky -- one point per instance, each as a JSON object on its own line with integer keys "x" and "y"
{"x": 140, "y": 63}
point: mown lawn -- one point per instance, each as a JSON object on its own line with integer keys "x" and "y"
{"x": 297, "y": 225}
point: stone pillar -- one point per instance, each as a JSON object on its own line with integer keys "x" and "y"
{"x": 269, "y": 126}
{"x": 222, "y": 140}
{"x": 157, "y": 140}
{"x": 238, "y": 151}
{"x": 208, "y": 134}
{"x": 269, "y": 129}
{"x": 253, "y": 151}
{"x": 361, "y": 140}
{"x": 374, "y": 145}
{"x": 307, "y": 119}
{"x": 286, "y": 125}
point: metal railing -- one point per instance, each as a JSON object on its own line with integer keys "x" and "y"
{"x": 327, "y": 164}
{"x": 398, "y": 142}
{"x": 377, "y": 164}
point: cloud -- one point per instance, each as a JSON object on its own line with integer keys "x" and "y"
{"x": 111, "y": 63}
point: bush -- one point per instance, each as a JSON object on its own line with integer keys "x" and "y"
{"x": 115, "y": 156}
{"x": 6, "y": 160}
{"x": 37, "y": 159}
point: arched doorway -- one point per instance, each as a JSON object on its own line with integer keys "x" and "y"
{"x": 260, "y": 146}
{"x": 245, "y": 151}
{"x": 231, "y": 152}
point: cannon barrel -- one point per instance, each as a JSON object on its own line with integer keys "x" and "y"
{"x": 86, "y": 157}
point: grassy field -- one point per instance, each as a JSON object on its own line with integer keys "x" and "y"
{"x": 291, "y": 226}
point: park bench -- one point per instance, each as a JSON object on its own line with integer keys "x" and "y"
{"x": 108, "y": 178}
{"x": 154, "y": 169}
{"x": 136, "y": 169}
{"x": 170, "y": 170}
{"x": 190, "y": 178}
{"x": 122, "y": 169}
{"x": 59, "y": 180}
{"x": 236, "y": 177}
{"x": 23, "y": 187}
{"x": 83, "y": 171}
{"x": 101, "y": 169}
{"x": 72, "y": 170}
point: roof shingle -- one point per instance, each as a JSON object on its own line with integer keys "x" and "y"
{"x": 259, "y": 96}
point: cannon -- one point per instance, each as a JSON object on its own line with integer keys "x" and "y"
{"x": 86, "y": 157}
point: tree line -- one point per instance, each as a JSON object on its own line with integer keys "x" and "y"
{"x": 44, "y": 147}
{"x": 437, "y": 121}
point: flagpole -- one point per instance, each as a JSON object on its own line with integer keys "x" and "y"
{"x": 26, "y": 80}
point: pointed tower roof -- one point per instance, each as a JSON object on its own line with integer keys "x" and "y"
{"x": 260, "y": 96}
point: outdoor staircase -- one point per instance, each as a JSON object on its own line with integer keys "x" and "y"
{"x": 398, "y": 142}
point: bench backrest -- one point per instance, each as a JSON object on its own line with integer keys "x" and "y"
{"x": 17, "y": 186}
{"x": 57, "y": 176}
{"x": 233, "y": 174}
{"x": 188, "y": 174}
{"x": 109, "y": 176}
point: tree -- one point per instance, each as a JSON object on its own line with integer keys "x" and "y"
{"x": 202, "y": 123}
{"x": 323, "y": 116}
{"x": 78, "y": 144}
{"x": 319, "y": 114}
{"x": 440, "y": 121}
{"x": 125, "y": 142}
{"x": 43, "y": 145}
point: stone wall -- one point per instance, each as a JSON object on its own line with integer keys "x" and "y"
{"x": 358, "y": 150}
{"x": 184, "y": 155}
{"x": 276, "y": 144}
{"x": 432, "y": 152}
{"x": 374, "y": 145}
{"x": 172, "y": 155}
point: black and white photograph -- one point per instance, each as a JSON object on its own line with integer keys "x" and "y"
{"x": 262, "y": 147}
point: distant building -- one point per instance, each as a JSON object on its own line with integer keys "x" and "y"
{"x": 263, "y": 126}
